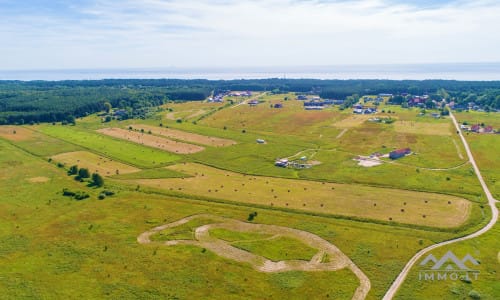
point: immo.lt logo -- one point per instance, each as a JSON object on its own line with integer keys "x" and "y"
{"x": 449, "y": 267}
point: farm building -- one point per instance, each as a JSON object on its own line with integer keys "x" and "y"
{"x": 253, "y": 103}
{"x": 399, "y": 153}
{"x": 261, "y": 141}
{"x": 281, "y": 163}
{"x": 278, "y": 105}
{"x": 301, "y": 97}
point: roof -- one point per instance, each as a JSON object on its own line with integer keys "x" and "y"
{"x": 402, "y": 151}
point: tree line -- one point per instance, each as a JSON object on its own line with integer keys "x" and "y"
{"x": 62, "y": 101}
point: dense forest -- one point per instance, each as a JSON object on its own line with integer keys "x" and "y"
{"x": 53, "y": 101}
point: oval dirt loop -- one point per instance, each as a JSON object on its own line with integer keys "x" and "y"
{"x": 338, "y": 260}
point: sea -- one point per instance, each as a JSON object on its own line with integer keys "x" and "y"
{"x": 447, "y": 71}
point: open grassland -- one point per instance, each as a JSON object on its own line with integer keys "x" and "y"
{"x": 484, "y": 249}
{"x": 276, "y": 249}
{"x": 360, "y": 201}
{"x": 353, "y": 120}
{"x": 185, "y": 136}
{"x": 15, "y": 133}
{"x": 235, "y": 236}
{"x": 182, "y": 232}
{"x": 291, "y": 119}
{"x": 94, "y": 162}
{"x": 475, "y": 117}
{"x": 130, "y": 153}
{"x": 440, "y": 129}
{"x": 151, "y": 174}
{"x": 49, "y": 242}
{"x": 151, "y": 140}
{"x": 190, "y": 110}
{"x": 486, "y": 149}
{"x": 38, "y": 143}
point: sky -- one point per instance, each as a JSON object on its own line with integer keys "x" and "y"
{"x": 86, "y": 34}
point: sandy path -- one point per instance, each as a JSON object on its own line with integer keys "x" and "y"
{"x": 338, "y": 260}
{"x": 342, "y": 133}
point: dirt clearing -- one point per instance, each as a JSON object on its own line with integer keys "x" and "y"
{"x": 152, "y": 141}
{"x": 186, "y": 136}
{"x": 94, "y": 162}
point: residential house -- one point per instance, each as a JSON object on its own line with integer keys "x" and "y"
{"x": 399, "y": 153}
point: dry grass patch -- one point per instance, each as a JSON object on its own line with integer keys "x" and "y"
{"x": 152, "y": 141}
{"x": 38, "y": 179}
{"x": 423, "y": 128}
{"x": 95, "y": 163}
{"x": 186, "y": 136}
{"x": 356, "y": 120}
{"x": 342, "y": 199}
{"x": 16, "y": 133}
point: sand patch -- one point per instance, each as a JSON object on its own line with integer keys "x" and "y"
{"x": 38, "y": 179}
{"x": 152, "y": 140}
{"x": 186, "y": 136}
{"x": 16, "y": 133}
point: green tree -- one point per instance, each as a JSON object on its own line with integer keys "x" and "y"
{"x": 73, "y": 170}
{"x": 107, "y": 107}
{"x": 83, "y": 173}
{"x": 97, "y": 180}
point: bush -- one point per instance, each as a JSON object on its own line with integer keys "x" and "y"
{"x": 73, "y": 170}
{"x": 108, "y": 193}
{"x": 83, "y": 173}
{"x": 252, "y": 216}
{"x": 68, "y": 193}
{"x": 474, "y": 294}
{"x": 101, "y": 197}
{"x": 97, "y": 180}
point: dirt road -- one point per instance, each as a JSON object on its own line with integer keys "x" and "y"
{"x": 494, "y": 217}
{"x": 202, "y": 238}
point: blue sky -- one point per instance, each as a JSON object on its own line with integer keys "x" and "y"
{"x": 62, "y": 34}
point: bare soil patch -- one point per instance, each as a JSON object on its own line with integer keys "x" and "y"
{"x": 152, "y": 141}
{"x": 16, "y": 133}
{"x": 186, "y": 136}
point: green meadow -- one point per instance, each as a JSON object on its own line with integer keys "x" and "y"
{"x": 49, "y": 243}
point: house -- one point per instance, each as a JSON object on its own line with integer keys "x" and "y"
{"x": 337, "y": 102}
{"x": 488, "y": 129}
{"x": 399, "y": 153}
{"x": 475, "y": 128}
{"x": 436, "y": 115}
{"x": 253, "y": 103}
{"x": 278, "y": 105}
{"x": 301, "y": 97}
{"x": 261, "y": 141}
{"x": 358, "y": 111}
{"x": 281, "y": 163}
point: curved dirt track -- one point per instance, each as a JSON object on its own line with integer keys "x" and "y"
{"x": 494, "y": 217}
{"x": 338, "y": 260}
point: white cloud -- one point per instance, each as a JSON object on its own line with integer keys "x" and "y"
{"x": 189, "y": 33}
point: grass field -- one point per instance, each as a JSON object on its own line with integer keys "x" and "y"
{"x": 93, "y": 243}
{"x": 279, "y": 248}
{"x": 185, "y": 136}
{"x": 484, "y": 249}
{"x": 366, "y": 202}
{"x": 94, "y": 162}
{"x": 50, "y": 242}
{"x": 130, "y": 153}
